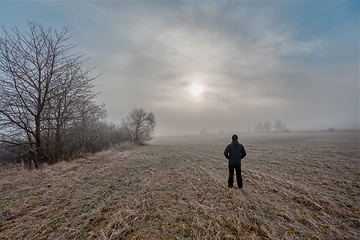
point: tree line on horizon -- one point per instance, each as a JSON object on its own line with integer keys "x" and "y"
{"x": 279, "y": 126}
{"x": 48, "y": 111}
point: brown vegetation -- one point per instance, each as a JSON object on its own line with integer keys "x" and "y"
{"x": 296, "y": 186}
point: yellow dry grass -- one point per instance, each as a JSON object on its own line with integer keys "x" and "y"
{"x": 296, "y": 186}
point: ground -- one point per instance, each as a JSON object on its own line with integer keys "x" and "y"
{"x": 296, "y": 186}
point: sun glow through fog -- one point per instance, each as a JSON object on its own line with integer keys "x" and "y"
{"x": 196, "y": 90}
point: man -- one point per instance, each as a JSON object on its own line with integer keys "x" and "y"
{"x": 235, "y": 152}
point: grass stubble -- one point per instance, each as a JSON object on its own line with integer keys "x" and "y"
{"x": 296, "y": 186}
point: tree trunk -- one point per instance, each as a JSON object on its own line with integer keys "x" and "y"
{"x": 40, "y": 158}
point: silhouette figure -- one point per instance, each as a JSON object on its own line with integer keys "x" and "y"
{"x": 235, "y": 152}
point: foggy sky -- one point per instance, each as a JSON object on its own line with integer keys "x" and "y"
{"x": 297, "y": 61}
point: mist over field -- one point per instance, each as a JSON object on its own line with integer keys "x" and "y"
{"x": 218, "y": 65}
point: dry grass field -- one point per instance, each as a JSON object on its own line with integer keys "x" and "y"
{"x": 296, "y": 186}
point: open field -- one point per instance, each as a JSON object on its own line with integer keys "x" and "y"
{"x": 296, "y": 186}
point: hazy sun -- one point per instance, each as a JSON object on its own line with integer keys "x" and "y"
{"x": 196, "y": 90}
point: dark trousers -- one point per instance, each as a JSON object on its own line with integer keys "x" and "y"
{"x": 238, "y": 176}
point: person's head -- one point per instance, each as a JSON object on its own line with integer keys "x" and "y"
{"x": 234, "y": 137}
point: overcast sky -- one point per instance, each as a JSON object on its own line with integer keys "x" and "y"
{"x": 220, "y": 65}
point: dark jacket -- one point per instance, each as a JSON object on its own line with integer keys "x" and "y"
{"x": 235, "y": 152}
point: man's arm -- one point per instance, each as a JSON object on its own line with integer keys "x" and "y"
{"x": 226, "y": 152}
{"x": 243, "y": 152}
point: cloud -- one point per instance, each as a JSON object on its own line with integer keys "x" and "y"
{"x": 254, "y": 68}
{"x": 257, "y": 61}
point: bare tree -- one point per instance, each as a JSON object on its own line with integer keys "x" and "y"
{"x": 203, "y": 131}
{"x": 139, "y": 125}
{"x": 263, "y": 127}
{"x": 280, "y": 126}
{"x": 267, "y": 126}
{"x": 258, "y": 127}
{"x": 42, "y": 86}
{"x": 71, "y": 104}
{"x": 89, "y": 127}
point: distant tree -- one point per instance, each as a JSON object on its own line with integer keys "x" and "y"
{"x": 262, "y": 127}
{"x": 280, "y": 126}
{"x": 258, "y": 127}
{"x": 139, "y": 125}
{"x": 203, "y": 131}
{"x": 267, "y": 126}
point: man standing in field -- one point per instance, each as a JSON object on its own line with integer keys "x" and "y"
{"x": 235, "y": 152}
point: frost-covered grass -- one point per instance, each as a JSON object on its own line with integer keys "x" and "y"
{"x": 296, "y": 186}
